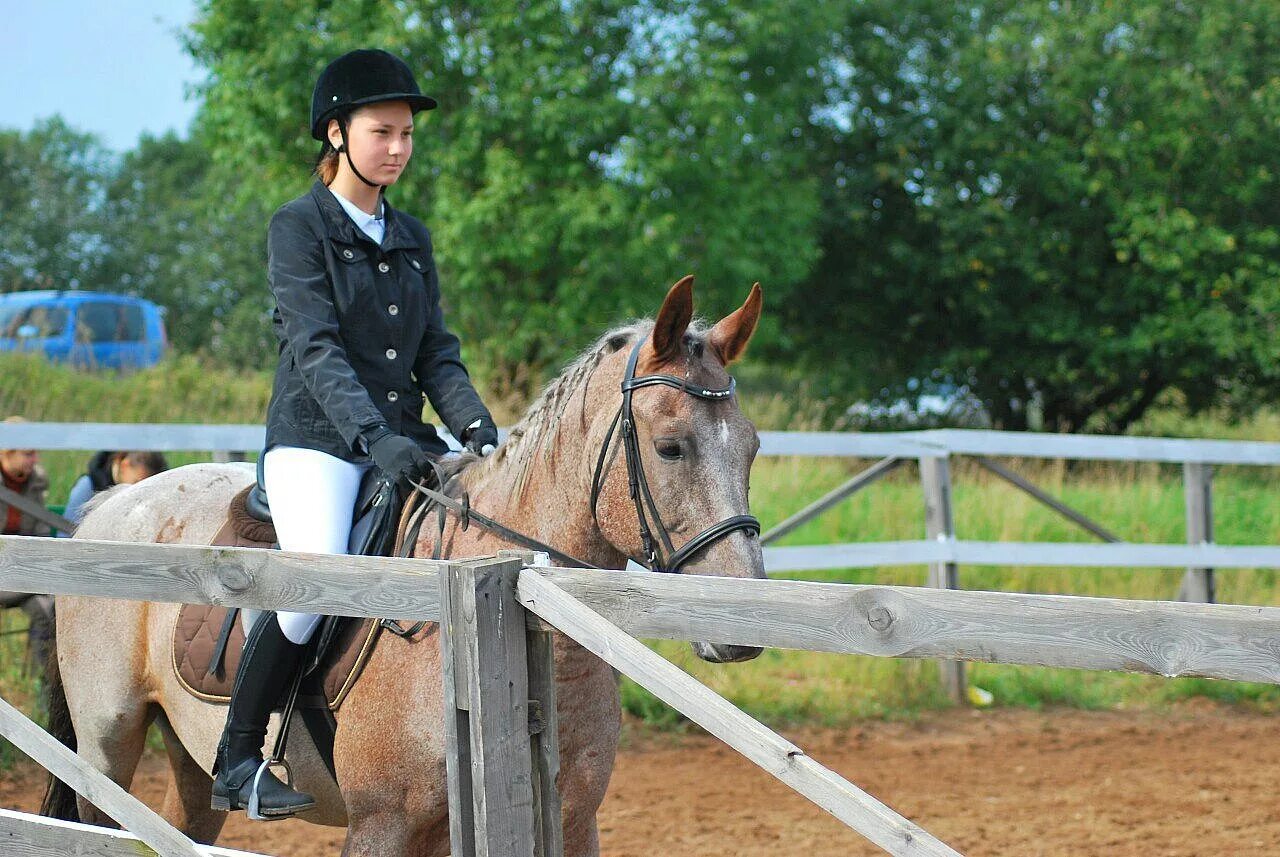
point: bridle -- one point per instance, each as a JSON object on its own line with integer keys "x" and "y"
{"x": 669, "y": 560}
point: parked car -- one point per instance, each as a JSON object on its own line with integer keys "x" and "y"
{"x": 94, "y": 330}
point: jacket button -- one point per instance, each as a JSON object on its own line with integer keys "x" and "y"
{"x": 416, "y": 264}
{"x": 347, "y": 254}
{"x": 392, "y": 396}
{"x": 391, "y": 354}
{"x": 383, "y": 267}
{"x": 393, "y": 310}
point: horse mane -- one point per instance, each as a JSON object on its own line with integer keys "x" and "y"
{"x": 98, "y": 499}
{"x": 528, "y": 437}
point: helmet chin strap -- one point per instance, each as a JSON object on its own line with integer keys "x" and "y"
{"x": 345, "y": 148}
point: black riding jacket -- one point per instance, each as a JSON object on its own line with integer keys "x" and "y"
{"x": 362, "y": 334}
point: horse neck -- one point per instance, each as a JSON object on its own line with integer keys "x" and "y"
{"x": 553, "y": 502}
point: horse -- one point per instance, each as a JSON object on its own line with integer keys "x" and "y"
{"x": 549, "y": 480}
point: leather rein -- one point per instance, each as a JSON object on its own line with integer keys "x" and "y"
{"x": 665, "y": 559}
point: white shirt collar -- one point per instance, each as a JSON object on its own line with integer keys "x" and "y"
{"x": 372, "y": 225}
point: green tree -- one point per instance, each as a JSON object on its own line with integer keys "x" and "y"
{"x": 1076, "y": 202}
{"x": 173, "y": 238}
{"x": 584, "y": 156}
{"x": 52, "y": 181}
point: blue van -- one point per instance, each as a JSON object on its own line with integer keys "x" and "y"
{"x": 90, "y": 330}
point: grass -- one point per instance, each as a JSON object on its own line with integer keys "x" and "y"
{"x": 1140, "y": 502}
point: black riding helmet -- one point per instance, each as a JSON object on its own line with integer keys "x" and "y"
{"x": 356, "y": 79}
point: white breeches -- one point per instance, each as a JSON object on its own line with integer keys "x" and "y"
{"x": 312, "y": 495}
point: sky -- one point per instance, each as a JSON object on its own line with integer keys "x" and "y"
{"x": 116, "y": 69}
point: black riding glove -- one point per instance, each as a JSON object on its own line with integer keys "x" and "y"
{"x": 481, "y": 437}
{"x": 401, "y": 458}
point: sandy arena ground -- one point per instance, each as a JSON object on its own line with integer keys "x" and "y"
{"x": 1197, "y": 780}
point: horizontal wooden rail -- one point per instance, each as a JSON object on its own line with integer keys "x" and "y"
{"x": 1163, "y": 637}
{"x": 31, "y": 507}
{"x": 1066, "y": 554}
{"x": 25, "y": 835}
{"x": 907, "y": 444}
{"x": 1099, "y": 447}
{"x": 770, "y": 751}
{"x": 242, "y": 577}
{"x": 1168, "y": 638}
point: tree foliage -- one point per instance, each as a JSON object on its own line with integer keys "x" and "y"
{"x": 1069, "y": 208}
{"x": 1082, "y": 199}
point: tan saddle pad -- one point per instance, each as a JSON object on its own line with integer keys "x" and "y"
{"x": 195, "y": 634}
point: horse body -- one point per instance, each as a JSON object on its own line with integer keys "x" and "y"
{"x": 115, "y": 657}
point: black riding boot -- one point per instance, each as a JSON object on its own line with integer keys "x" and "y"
{"x": 267, "y": 668}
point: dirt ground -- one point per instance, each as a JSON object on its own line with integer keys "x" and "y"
{"x": 1197, "y": 780}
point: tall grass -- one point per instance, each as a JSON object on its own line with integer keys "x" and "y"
{"x": 1139, "y": 502}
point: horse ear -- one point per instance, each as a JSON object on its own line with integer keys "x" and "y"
{"x": 730, "y": 335}
{"x": 673, "y": 319}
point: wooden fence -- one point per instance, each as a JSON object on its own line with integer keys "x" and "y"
{"x": 502, "y": 753}
{"x": 942, "y": 551}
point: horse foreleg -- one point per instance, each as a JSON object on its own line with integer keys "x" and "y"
{"x": 186, "y": 801}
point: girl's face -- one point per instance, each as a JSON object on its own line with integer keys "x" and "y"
{"x": 380, "y": 138}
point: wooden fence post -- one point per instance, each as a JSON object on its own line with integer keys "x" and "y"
{"x": 1197, "y": 482}
{"x": 544, "y": 725}
{"x": 486, "y": 681}
{"x": 935, "y": 479}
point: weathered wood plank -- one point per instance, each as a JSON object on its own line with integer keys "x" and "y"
{"x": 34, "y": 509}
{"x": 1082, "y": 555}
{"x": 776, "y": 755}
{"x": 939, "y": 525}
{"x": 881, "y": 468}
{"x": 93, "y": 785}
{"x": 1197, "y": 481}
{"x": 243, "y": 577}
{"x": 847, "y": 444}
{"x": 911, "y": 444}
{"x": 544, "y": 724}
{"x": 1162, "y": 637}
{"x": 163, "y": 437}
{"x": 24, "y": 835}
{"x": 1049, "y": 500}
{"x": 457, "y": 716}
{"x": 501, "y": 758}
{"x": 1173, "y": 557}
{"x": 1098, "y": 447}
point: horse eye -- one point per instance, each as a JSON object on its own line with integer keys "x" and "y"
{"x": 669, "y": 449}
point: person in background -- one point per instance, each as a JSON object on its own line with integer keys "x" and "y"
{"x": 109, "y": 468}
{"x": 23, "y": 475}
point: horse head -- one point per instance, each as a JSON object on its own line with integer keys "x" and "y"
{"x": 671, "y": 484}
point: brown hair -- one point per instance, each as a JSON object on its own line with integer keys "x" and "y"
{"x": 152, "y": 462}
{"x": 327, "y": 163}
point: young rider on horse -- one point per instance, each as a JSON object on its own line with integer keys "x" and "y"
{"x": 362, "y": 340}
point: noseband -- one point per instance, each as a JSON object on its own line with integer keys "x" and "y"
{"x": 639, "y": 485}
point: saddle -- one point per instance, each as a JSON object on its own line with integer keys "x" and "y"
{"x": 207, "y": 639}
